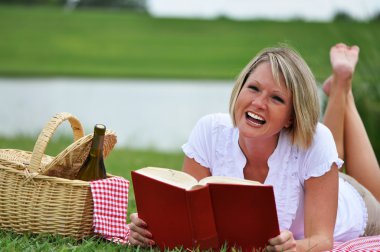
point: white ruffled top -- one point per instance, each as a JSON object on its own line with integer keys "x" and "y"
{"x": 213, "y": 143}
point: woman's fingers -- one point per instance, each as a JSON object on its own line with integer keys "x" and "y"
{"x": 283, "y": 242}
{"x": 139, "y": 235}
{"x": 135, "y": 242}
{"x": 137, "y": 221}
{"x": 136, "y": 238}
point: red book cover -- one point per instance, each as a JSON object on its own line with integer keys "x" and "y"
{"x": 245, "y": 215}
{"x": 176, "y": 217}
{"x": 206, "y": 216}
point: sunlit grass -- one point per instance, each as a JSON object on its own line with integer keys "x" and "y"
{"x": 48, "y": 41}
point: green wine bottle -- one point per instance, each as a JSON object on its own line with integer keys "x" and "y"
{"x": 93, "y": 167}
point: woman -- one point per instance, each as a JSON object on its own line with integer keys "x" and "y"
{"x": 275, "y": 138}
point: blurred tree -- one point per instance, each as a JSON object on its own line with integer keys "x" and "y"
{"x": 32, "y": 2}
{"x": 376, "y": 18}
{"x": 341, "y": 16}
{"x": 139, "y": 5}
{"x": 130, "y": 4}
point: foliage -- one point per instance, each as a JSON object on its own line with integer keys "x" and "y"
{"x": 376, "y": 18}
{"x": 367, "y": 99}
{"x": 343, "y": 17}
{"x": 129, "y": 4}
{"x": 32, "y": 2}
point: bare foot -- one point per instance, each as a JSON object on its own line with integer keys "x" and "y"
{"x": 343, "y": 61}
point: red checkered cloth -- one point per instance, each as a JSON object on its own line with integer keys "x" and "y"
{"x": 110, "y": 208}
{"x": 369, "y": 243}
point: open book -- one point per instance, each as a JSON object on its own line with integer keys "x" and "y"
{"x": 211, "y": 213}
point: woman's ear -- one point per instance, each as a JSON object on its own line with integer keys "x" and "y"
{"x": 289, "y": 123}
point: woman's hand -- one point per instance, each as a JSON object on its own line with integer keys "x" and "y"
{"x": 139, "y": 235}
{"x": 283, "y": 242}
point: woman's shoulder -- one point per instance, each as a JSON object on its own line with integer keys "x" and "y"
{"x": 211, "y": 141}
{"x": 322, "y": 129}
{"x": 319, "y": 157}
{"x": 322, "y": 135}
{"x": 216, "y": 120}
{"x": 323, "y": 142}
{"x": 212, "y": 127}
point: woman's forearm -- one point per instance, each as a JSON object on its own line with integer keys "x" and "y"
{"x": 315, "y": 243}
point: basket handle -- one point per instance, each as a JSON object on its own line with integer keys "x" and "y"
{"x": 47, "y": 133}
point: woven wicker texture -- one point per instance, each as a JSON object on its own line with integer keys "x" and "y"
{"x": 31, "y": 201}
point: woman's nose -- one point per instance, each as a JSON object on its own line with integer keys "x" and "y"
{"x": 260, "y": 101}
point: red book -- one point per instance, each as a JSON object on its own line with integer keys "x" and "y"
{"x": 211, "y": 213}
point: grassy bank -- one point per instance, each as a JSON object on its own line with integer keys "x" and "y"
{"x": 47, "y": 41}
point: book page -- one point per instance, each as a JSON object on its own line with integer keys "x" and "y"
{"x": 169, "y": 176}
{"x": 227, "y": 180}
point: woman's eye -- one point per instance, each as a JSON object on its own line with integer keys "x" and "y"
{"x": 279, "y": 99}
{"x": 254, "y": 88}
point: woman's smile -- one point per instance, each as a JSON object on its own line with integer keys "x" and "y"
{"x": 263, "y": 106}
{"x": 255, "y": 119}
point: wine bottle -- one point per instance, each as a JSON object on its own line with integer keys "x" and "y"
{"x": 93, "y": 167}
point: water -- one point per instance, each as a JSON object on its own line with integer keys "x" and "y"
{"x": 156, "y": 114}
{"x": 317, "y": 10}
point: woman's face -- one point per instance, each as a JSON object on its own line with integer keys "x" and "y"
{"x": 263, "y": 108}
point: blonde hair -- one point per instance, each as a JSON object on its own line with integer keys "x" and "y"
{"x": 299, "y": 80}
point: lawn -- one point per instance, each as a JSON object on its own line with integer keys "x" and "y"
{"x": 49, "y": 41}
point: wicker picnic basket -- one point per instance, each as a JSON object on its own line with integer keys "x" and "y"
{"x": 33, "y": 200}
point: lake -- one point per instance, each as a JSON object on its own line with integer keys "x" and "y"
{"x": 157, "y": 114}
{"x": 317, "y": 10}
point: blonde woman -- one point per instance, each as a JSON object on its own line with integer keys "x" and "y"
{"x": 272, "y": 135}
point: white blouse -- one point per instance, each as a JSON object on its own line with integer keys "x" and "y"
{"x": 213, "y": 143}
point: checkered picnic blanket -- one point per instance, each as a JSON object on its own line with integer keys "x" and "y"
{"x": 110, "y": 208}
{"x": 370, "y": 243}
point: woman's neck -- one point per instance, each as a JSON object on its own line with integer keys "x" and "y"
{"x": 258, "y": 150}
{"x": 257, "y": 153}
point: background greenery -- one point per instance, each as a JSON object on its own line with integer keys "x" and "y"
{"x": 51, "y": 41}
{"x": 46, "y": 41}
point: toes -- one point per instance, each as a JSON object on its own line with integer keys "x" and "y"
{"x": 355, "y": 48}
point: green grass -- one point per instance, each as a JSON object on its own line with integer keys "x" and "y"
{"x": 120, "y": 162}
{"x": 48, "y": 41}
{"x": 29, "y": 242}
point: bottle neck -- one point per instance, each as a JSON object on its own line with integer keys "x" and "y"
{"x": 97, "y": 145}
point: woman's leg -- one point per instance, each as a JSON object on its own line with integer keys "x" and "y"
{"x": 344, "y": 121}
{"x": 361, "y": 162}
{"x": 337, "y": 87}
{"x": 334, "y": 114}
